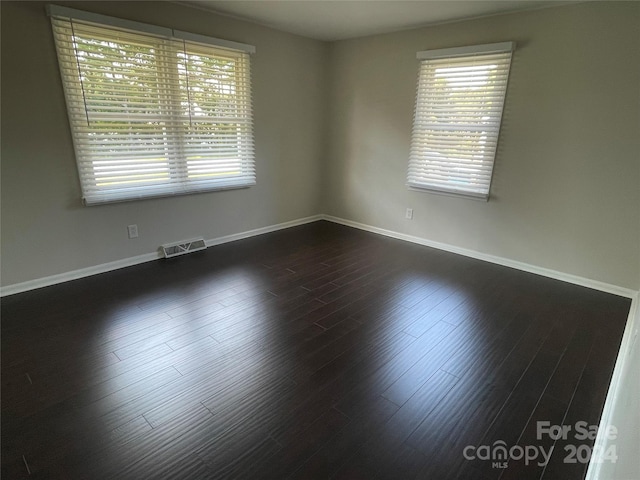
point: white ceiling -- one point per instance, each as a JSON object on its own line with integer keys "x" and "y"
{"x": 342, "y": 19}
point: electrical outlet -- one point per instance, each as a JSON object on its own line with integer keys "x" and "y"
{"x": 409, "y": 214}
{"x": 133, "y": 231}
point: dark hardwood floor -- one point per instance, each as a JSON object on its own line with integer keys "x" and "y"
{"x": 314, "y": 352}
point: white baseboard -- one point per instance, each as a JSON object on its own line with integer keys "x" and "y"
{"x": 147, "y": 257}
{"x": 260, "y": 231}
{"x": 597, "y": 471}
{"x": 545, "y": 272}
{"x": 75, "y": 274}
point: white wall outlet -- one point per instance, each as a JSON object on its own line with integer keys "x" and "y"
{"x": 409, "y": 214}
{"x": 133, "y": 231}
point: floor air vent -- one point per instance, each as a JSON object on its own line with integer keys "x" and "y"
{"x": 180, "y": 248}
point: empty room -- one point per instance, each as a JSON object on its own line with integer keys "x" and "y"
{"x": 320, "y": 240}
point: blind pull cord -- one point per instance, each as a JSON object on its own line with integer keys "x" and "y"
{"x": 75, "y": 49}
{"x": 186, "y": 68}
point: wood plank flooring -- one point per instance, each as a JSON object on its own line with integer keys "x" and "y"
{"x": 315, "y": 352}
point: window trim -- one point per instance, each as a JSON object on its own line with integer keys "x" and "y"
{"x": 453, "y": 53}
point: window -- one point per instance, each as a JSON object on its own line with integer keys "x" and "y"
{"x": 153, "y": 111}
{"x": 459, "y": 104}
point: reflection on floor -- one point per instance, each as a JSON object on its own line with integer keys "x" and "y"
{"x": 315, "y": 352}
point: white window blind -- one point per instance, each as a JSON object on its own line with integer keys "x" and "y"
{"x": 152, "y": 114}
{"x": 459, "y": 103}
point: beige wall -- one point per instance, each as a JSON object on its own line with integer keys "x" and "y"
{"x": 46, "y": 230}
{"x": 566, "y": 188}
{"x": 566, "y": 191}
